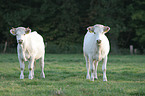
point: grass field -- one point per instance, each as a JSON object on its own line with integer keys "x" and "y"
{"x": 66, "y": 73}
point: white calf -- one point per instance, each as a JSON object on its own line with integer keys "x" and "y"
{"x": 30, "y": 48}
{"x": 96, "y": 47}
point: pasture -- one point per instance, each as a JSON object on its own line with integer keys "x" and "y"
{"x": 66, "y": 76}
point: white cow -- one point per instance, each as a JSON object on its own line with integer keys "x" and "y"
{"x": 96, "y": 47}
{"x": 30, "y": 48}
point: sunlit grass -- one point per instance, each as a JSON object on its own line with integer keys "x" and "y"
{"x": 66, "y": 76}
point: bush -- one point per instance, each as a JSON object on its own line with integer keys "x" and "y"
{"x": 65, "y": 49}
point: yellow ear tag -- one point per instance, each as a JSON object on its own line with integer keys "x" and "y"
{"x": 91, "y": 31}
{"x": 106, "y": 31}
{"x": 13, "y": 32}
{"x": 27, "y": 32}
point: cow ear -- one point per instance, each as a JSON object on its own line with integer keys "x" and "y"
{"x": 106, "y": 29}
{"x": 91, "y": 29}
{"x": 28, "y": 30}
{"x": 12, "y": 31}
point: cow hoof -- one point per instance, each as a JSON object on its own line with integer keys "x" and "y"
{"x": 42, "y": 75}
{"x": 31, "y": 77}
{"x": 104, "y": 79}
{"x": 21, "y": 76}
{"x": 92, "y": 79}
{"x": 96, "y": 78}
{"x": 87, "y": 77}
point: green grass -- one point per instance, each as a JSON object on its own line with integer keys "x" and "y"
{"x": 66, "y": 73}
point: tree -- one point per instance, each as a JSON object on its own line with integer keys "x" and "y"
{"x": 13, "y": 13}
{"x": 57, "y": 21}
{"x": 64, "y": 22}
{"x": 61, "y": 22}
{"x": 111, "y": 13}
{"x": 138, "y": 22}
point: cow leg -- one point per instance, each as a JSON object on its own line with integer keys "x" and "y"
{"x": 41, "y": 60}
{"x": 22, "y": 67}
{"x": 95, "y": 74}
{"x": 92, "y": 67}
{"x": 31, "y": 68}
{"x": 88, "y": 68}
{"x": 104, "y": 68}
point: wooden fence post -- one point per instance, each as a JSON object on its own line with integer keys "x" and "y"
{"x": 5, "y": 48}
{"x": 135, "y": 51}
{"x": 131, "y": 49}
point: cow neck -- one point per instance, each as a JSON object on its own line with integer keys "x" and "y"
{"x": 21, "y": 47}
{"x": 21, "y": 51}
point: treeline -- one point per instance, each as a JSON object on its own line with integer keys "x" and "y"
{"x": 63, "y": 23}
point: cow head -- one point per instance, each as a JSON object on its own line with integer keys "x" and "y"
{"x": 20, "y": 33}
{"x": 99, "y": 30}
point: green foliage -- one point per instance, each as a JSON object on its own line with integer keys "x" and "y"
{"x": 64, "y": 22}
{"x": 139, "y": 15}
{"x": 67, "y": 49}
{"x": 66, "y": 76}
{"x": 138, "y": 20}
{"x": 57, "y": 21}
{"x": 110, "y": 13}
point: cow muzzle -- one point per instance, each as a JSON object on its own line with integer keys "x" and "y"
{"x": 99, "y": 41}
{"x": 20, "y": 41}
